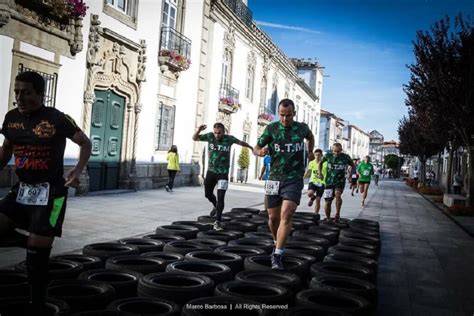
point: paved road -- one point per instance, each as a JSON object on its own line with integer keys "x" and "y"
{"x": 426, "y": 266}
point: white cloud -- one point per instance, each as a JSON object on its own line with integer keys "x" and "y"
{"x": 287, "y": 27}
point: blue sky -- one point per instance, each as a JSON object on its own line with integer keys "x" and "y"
{"x": 365, "y": 46}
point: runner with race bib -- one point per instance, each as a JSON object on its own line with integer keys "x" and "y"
{"x": 365, "y": 170}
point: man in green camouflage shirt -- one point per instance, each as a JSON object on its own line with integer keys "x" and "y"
{"x": 284, "y": 141}
{"x": 219, "y": 145}
{"x": 335, "y": 178}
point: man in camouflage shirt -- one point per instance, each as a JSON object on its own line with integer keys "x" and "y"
{"x": 218, "y": 166}
{"x": 337, "y": 163}
{"x": 284, "y": 141}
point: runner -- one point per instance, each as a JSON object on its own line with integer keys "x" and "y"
{"x": 36, "y": 136}
{"x": 218, "y": 166}
{"x": 264, "y": 174}
{"x": 335, "y": 179}
{"x": 316, "y": 185}
{"x": 285, "y": 140}
{"x": 377, "y": 175}
{"x": 354, "y": 177}
{"x": 365, "y": 171}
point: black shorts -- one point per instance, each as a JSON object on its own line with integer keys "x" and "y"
{"x": 212, "y": 179}
{"x": 354, "y": 180}
{"x": 364, "y": 182}
{"x": 330, "y": 191}
{"x": 44, "y": 220}
{"x": 288, "y": 190}
{"x": 319, "y": 190}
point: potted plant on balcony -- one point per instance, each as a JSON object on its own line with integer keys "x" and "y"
{"x": 230, "y": 104}
{"x": 265, "y": 118}
{"x": 173, "y": 58}
{"x": 243, "y": 163}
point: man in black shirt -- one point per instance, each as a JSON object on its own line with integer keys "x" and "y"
{"x": 36, "y": 136}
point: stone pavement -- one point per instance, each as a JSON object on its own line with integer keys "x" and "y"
{"x": 426, "y": 266}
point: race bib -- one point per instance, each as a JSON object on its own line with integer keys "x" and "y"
{"x": 222, "y": 184}
{"x": 354, "y": 176}
{"x": 328, "y": 193}
{"x": 366, "y": 172}
{"x": 318, "y": 184}
{"x": 272, "y": 187}
{"x": 33, "y": 194}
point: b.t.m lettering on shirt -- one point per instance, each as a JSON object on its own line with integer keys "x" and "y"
{"x": 289, "y": 147}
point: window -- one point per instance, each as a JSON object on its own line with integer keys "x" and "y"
{"x": 226, "y": 68}
{"x": 125, "y": 11}
{"x": 274, "y": 99}
{"x": 51, "y": 81}
{"x": 165, "y": 126}
{"x": 118, "y": 4}
{"x": 249, "y": 85}
{"x": 169, "y": 14}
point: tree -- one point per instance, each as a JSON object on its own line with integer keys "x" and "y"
{"x": 244, "y": 158}
{"x": 394, "y": 162}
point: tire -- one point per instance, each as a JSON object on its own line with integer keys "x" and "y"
{"x": 240, "y": 226}
{"x": 219, "y": 235}
{"x": 352, "y": 259}
{"x": 343, "y": 224}
{"x": 15, "y": 306}
{"x": 175, "y": 286}
{"x": 290, "y": 264}
{"x": 137, "y": 263}
{"x": 235, "y": 215}
{"x": 308, "y": 216}
{"x": 240, "y": 210}
{"x": 346, "y": 284}
{"x": 334, "y": 301}
{"x": 226, "y": 305}
{"x": 211, "y": 219}
{"x": 356, "y": 230}
{"x": 363, "y": 239}
{"x": 143, "y": 245}
{"x": 243, "y": 251}
{"x": 312, "y": 240}
{"x": 188, "y": 232}
{"x": 289, "y": 280}
{"x": 89, "y": 262}
{"x": 260, "y": 292}
{"x": 332, "y": 236}
{"x": 13, "y": 284}
{"x": 359, "y": 251}
{"x": 124, "y": 282}
{"x": 145, "y": 306}
{"x": 212, "y": 243}
{"x": 59, "y": 269}
{"x": 166, "y": 257}
{"x": 218, "y": 272}
{"x": 342, "y": 269}
{"x": 328, "y": 226}
{"x": 256, "y": 221}
{"x": 202, "y": 227}
{"x": 184, "y": 246}
{"x": 257, "y": 234}
{"x": 265, "y": 228}
{"x": 366, "y": 222}
{"x": 163, "y": 238}
{"x": 314, "y": 234}
{"x": 358, "y": 243}
{"x": 106, "y": 250}
{"x": 232, "y": 260}
{"x": 261, "y": 243}
{"x": 318, "y": 252}
{"x": 301, "y": 224}
{"x": 82, "y": 295}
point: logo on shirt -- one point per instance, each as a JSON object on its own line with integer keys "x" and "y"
{"x": 16, "y": 125}
{"x": 219, "y": 147}
{"x": 289, "y": 147}
{"x": 44, "y": 130}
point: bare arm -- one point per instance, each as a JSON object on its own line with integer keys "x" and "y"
{"x": 199, "y": 130}
{"x": 72, "y": 178}
{"x": 259, "y": 151}
{"x": 244, "y": 144}
{"x": 262, "y": 172}
{"x": 310, "y": 138}
{"x": 6, "y": 152}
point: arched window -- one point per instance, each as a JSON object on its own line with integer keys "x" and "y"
{"x": 226, "y": 68}
{"x": 249, "y": 84}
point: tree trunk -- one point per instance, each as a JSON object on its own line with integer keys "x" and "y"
{"x": 449, "y": 174}
{"x": 423, "y": 171}
{"x": 470, "y": 179}
{"x": 438, "y": 172}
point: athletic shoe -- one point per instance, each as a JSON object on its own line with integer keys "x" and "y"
{"x": 167, "y": 188}
{"x": 277, "y": 263}
{"x": 213, "y": 212}
{"x": 310, "y": 202}
{"x": 217, "y": 226}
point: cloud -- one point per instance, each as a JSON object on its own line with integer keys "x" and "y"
{"x": 287, "y": 27}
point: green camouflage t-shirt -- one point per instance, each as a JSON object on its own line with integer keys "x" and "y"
{"x": 336, "y": 175}
{"x": 365, "y": 171}
{"x": 286, "y": 147}
{"x": 219, "y": 152}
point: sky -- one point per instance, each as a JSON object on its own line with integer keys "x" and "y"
{"x": 364, "y": 46}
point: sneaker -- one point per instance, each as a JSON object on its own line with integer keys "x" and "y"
{"x": 217, "y": 226}
{"x": 277, "y": 263}
{"x": 213, "y": 212}
{"x": 310, "y": 202}
{"x": 167, "y": 188}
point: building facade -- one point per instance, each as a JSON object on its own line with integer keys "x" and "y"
{"x": 375, "y": 148}
{"x": 331, "y": 131}
{"x": 358, "y": 142}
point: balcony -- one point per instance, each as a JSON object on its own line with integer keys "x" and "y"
{"x": 265, "y": 116}
{"x": 175, "y": 50}
{"x": 228, "y": 99}
{"x": 240, "y": 10}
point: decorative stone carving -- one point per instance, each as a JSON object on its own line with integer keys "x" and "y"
{"x": 251, "y": 59}
{"x": 229, "y": 36}
{"x": 224, "y": 118}
{"x": 247, "y": 126}
{"x": 275, "y": 79}
{"x": 94, "y": 42}
{"x": 4, "y": 12}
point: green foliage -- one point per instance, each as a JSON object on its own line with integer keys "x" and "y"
{"x": 244, "y": 158}
{"x": 392, "y": 161}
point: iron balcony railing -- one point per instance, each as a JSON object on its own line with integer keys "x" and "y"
{"x": 173, "y": 41}
{"x": 240, "y": 10}
{"x": 228, "y": 94}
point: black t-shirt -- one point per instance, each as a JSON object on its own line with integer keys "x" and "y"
{"x": 38, "y": 141}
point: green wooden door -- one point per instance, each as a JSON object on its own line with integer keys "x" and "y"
{"x": 106, "y": 137}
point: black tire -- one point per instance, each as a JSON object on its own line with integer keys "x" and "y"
{"x": 287, "y": 279}
{"x": 243, "y": 251}
{"x": 145, "y": 306}
{"x": 318, "y": 252}
{"x": 343, "y": 224}
{"x": 266, "y": 228}
{"x": 175, "y": 286}
{"x": 212, "y": 243}
{"x": 143, "y": 245}
{"x": 327, "y": 226}
{"x": 366, "y": 222}
{"x": 359, "y": 251}
{"x": 234, "y": 215}
{"x": 315, "y": 234}
{"x": 312, "y": 240}
{"x": 219, "y": 235}
{"x": 16, "y": 306}
{"x": 308, "y": 216}
{"x": 202, "y": 227}
{"x": 309, "y": 311}
{"x": 59, "y": 269}
{"x": 257, "y": 234}
{"x": 260, "y": 292}
{"x": 163, "y": 238}
{"x": 211, "y": 219}
{"x": 334, "y": 301}
{"x": 308, "y": 259}
{"x": 137, "y": 263}
{"x": 365, "y": 228}
{"x": 82, "y": 295}
{"x": 363, "y": 239}
{"x": 325, "y": 233}
{"x": 301, "y": 224}
{"x": 218, "y": 272}
{"x": 106, "y": 250}
{"x": 290, "y": 264}
{"x": 183, "y": 247}
{"x": 124, "y": 282}
{"x": 240, "y": 226}
{"x": 358, "y": 243}
{"x": 13, "y": 284}
{"x": 357, "y": 230}
{"x": 188, "y": 232}
{"x": 352, "y": 259}
{"x": 166, "y": 257}
{"x": 241, "y": 210}
{"x": 253, "y": 220}
{"x": 232, "y": 260}
{"x": 342, "y": 269}
{"x": 347, "y": 284}
{"x": 261, "y": 243}
{"x": 89, "y": 262}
